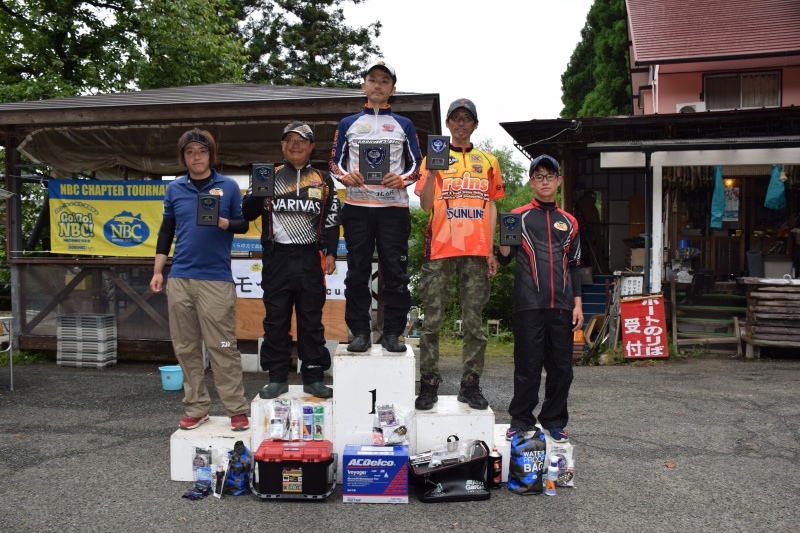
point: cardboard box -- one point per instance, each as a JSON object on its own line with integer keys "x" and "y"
{"x": 375, "y": 474}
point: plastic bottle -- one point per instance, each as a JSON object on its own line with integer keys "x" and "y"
{"x": 552, "y": 476}
{"x": 308, "y": 422}
{"x": 319, "y": 422}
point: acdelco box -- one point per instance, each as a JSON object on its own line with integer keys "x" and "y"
{"x": 294, "y": 469}
{"x": 375, "y": 474}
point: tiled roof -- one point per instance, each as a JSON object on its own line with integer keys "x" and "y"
{"x": 671, "y": 31}
{"x": 218, "y": 93}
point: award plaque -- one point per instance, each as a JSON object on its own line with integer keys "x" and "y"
{"x": 373, "y": 162}
{"x": 510, "y": 229}
{"x": 261, "y": 179}
{"x": 438, "y": 152}
{"x": 207, "y": 210}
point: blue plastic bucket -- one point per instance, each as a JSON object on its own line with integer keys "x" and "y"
{"x": 171, "y": 377}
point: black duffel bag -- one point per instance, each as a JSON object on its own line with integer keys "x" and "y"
{"x": 458, "y": 482}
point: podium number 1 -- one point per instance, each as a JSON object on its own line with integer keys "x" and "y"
{"x": 374, "y": 395}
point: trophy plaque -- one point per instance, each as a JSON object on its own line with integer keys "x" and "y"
{"x": 510, "y": 229}
{"x": 373, "y": 162}
{"x": 207, "y": 210}
{"x": 438, "y": 152}
{"x": 262, "y": 181}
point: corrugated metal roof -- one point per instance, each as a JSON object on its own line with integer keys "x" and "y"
{"x": 669, "y": 31}
{"x": 218, "y": 93}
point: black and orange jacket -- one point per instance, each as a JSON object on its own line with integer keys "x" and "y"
{"x": 548, "y": 272}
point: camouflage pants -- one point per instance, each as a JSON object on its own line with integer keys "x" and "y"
{"x": 434, "y": 289}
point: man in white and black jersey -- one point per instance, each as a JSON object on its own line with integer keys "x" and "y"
{"x": 299, "y": 236}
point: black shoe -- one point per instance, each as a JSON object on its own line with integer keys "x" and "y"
{"x": 273, "y": 390}
{"x": 428, "y": 394}
{"x": 361, "y": 343}
{"x": 318, "y": 389}
{"x": 471, "y": 394}
{"x": 391, "y": 343}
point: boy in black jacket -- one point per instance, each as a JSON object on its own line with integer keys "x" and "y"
{"x": 547, "y": 304}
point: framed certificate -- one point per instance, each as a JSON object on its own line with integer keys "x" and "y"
{"x": 373, "y": 162}
{"x": 262, "y": 179}
{"x": 510, "y": 229}
{"x": 438, "y": 152}
{"x": 207, "y": 210}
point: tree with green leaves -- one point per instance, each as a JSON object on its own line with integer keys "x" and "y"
{"x": 60, "y": 48}
{"x": 305, "y": 42}
{"x": 596, "y": 81}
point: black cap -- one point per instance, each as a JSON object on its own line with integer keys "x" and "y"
{"x": 463, "y": 103}
{"x": 544, "y": 160}
{"x": 195, "y": 136}
{"x": 300, "y": 128}
{"x": 386, "y": 67}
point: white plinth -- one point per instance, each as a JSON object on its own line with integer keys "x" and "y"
{"x": 216, "y": 433}
{"x": 251, "y": 362}
{"x": 362, "y": 381}
{"x": 451, "y": 417}
{"x": 260, "y": 409}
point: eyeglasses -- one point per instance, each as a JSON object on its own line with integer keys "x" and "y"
{"x": 297, "y": 140}
{"x": 542, "y": 177}
{"x": 463, "y": 119}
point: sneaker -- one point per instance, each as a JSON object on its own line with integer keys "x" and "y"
{"x": 513, "y": 432}
{"x": 471, "y": 394}
{"x": 558, "y": 434}
{"x": 273, "y": 390}
{"x": 190, "y": 422}
{"x": 240, "y": 422}
{"x": 361, "y": 343}
{"x": 318, "y": 389}
{"x": 391, "y": 343}
{"x": 428, "y": 394}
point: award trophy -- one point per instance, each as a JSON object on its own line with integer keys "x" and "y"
{"x": 373, "y": 162}
{"x": 261, "y": 179}
{"x": 207, "y": 210}
{"x": 438, "y": 152}
{"x": 510, "y": 229}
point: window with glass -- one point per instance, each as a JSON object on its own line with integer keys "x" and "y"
{"x": 743, "y": 90}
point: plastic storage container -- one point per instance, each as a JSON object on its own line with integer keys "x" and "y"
{"x": 294, "y": 469}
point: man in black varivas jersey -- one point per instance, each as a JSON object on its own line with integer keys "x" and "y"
{"x": 299, "y": 237}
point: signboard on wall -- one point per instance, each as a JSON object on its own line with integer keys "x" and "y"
{"x": 644, "y": 330}
{"x": 117, "y": 218}
{"x": 247, "y": 277}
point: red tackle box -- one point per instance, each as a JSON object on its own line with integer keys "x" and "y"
{"x": 294, "y": 469}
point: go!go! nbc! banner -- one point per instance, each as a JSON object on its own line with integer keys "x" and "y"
{"x": 115, "y": 218}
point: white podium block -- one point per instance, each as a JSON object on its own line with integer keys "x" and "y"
{"x": 216, "y": 434}
{"x": 451, "y": 417}
{"x": 362, "y": 381}
{"x": 260, "y": 409}
{"x": 251, "y": 362}
{"x": 503, "y": 446}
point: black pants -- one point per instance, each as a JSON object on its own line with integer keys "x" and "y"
{"x": 293, "y": 277}
{"x": 388, "y": 228}
{"x": 542, "y": 338}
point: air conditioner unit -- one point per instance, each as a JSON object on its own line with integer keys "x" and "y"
{"x": 690, "y": 107}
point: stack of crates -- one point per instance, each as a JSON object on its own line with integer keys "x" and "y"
{"x": 87, "y": 340}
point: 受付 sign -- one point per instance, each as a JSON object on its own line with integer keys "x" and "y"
{"x": 644, "y": 330}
